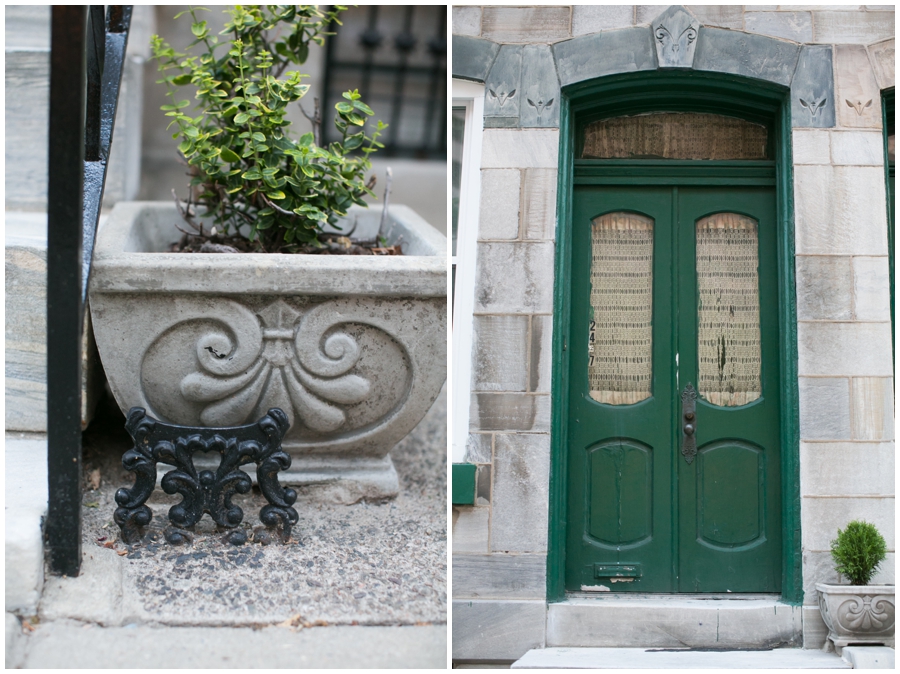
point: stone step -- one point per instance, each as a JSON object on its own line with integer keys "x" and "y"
{"x": 672, "y": 658}
{"x": 673, "y": 621}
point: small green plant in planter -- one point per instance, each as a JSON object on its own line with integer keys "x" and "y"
{"x": 263, "y": 190}
{"x": 857, "y": 551}
{"x": 859, "y": 613}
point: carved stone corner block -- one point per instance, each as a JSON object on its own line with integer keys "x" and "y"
{"x": 756, "y": 56}
{"x": 858, "y": 96}
{"x": 539, "y": 104}
{"x": 354, "y": 372}
{"x": 675, "y": 37}
{"x": 812, "y": 88}
{"x": 473, "y": 57}
{"x": 502, "y": 86}
{"x": 882, "y": 56}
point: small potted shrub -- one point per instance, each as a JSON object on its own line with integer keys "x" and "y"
{"x": 858, "y": 613}
{"x": 306, "y": 304}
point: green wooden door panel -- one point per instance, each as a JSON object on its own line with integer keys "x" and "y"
{"x": 595, "y": 429}
{"x": 618, "y": 469}
{"x": 729, "y": 473}
{"x": 712, "y": 525}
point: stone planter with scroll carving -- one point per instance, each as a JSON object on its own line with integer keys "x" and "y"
{"x": 352, "y": 348}
{"x": 857, "y": 614}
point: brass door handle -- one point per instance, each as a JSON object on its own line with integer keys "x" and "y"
{"x": 689, "y": 423}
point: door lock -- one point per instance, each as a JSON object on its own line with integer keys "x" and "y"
{"x": 689, "y": 427}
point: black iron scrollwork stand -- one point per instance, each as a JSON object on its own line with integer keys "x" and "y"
{"x": 205, "y": 491}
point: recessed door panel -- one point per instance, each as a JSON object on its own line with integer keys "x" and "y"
{"x": 621, "y": 493}
{"x": 729, "y": 474}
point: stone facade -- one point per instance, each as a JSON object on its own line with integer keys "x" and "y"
{"x": 27, "y": 114}
{"x": 836, "y": 62}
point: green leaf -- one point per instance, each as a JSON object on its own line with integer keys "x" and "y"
{"x": 229, "y": 156}
{"x": 181, "y": 80}
{"x": 258, "y": 137}
{"x": 362, "y": 107}
{"x": 199, "y": 28}
{"x": 354, "y": 141}
{"x": 308, "y": 171}
{"x": 302, "y": 53}
{"x": 184, "y": 146}
{"x": 306, "y": 139}
{"x": 276, "y": 194}
{"x": 241, "y": 118}
{"x": 344, "y": 108}
{"x": 356, "y": 118}
{"x": 252, "y": 174}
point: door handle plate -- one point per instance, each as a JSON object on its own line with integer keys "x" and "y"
{"x": 689, "y": 423}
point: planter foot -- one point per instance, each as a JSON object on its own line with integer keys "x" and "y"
{"x": 205, "y": 489}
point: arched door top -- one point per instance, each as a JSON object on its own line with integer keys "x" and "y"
{"x": 523, "y": 82}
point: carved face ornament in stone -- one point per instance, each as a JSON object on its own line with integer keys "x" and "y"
{"x": 540, "y": 106}
{"x": 813, "y": 105}
{"x": 675, "y": 33}
{"x": 671, "y": 45}
{"x": 859, "y": 106}
{"x": 502, "y": 97}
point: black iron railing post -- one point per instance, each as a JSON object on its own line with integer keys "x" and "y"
{"x": 86, "y": 62}
{"x": 64, "y": 303}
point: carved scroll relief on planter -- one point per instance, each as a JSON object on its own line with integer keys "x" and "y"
{"x": 729, "y": 350}
{"x": 331, "y": 371}
{"x": 620, "y": 346}
{"x": 675, "y": 36}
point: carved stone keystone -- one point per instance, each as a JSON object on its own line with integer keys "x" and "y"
{"x": 351, "y": 348}
{"x": 675, "y": 36}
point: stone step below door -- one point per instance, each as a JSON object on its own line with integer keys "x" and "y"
{"x": 674, "y": 622}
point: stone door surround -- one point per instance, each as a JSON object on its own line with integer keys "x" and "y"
{"x": 523, "y": 82}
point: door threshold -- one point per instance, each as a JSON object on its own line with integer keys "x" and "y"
{"x": 708, "y": 596}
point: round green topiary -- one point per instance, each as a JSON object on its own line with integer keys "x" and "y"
{"x": 857, "y": 551}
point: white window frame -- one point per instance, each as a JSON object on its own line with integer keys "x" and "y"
{"x": 471, "y": 96}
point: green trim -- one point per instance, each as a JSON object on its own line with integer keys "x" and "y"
{"x": 659, "y": 91}
{"x": 556, "y": 540}
{"x": 463, "y": 483}
{"x": 673, "y": 172}
{"x": 887, "y": 124}
{"x": 792, "y": 569}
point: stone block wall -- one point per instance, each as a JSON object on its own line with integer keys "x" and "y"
{"x": 27, "y": 30}
{"x": 836, "y": 59}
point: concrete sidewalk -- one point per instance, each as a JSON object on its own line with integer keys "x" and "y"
{"x": 70, "y": 644}
{"x": 364, "y": 582}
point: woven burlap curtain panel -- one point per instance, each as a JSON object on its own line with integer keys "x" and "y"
{"x": 728, "y": 312}
{"x": 674, "y": 135}
{"x": 620, "y": 365}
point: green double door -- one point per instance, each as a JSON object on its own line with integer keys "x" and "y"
{"x": 673, "y": 420}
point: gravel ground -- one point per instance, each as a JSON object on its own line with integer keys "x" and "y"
{"x": 366, "y": 564}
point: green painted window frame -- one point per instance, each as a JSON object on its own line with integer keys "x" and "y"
{"x": 462, "y": 482}
{"x": 688, "y": 91}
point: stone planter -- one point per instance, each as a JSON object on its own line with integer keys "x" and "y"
{"x": 352, "y": 348}
{"x": 857, "y": 614}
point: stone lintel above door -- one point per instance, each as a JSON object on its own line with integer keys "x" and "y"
{"x": 536, "y": 72}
